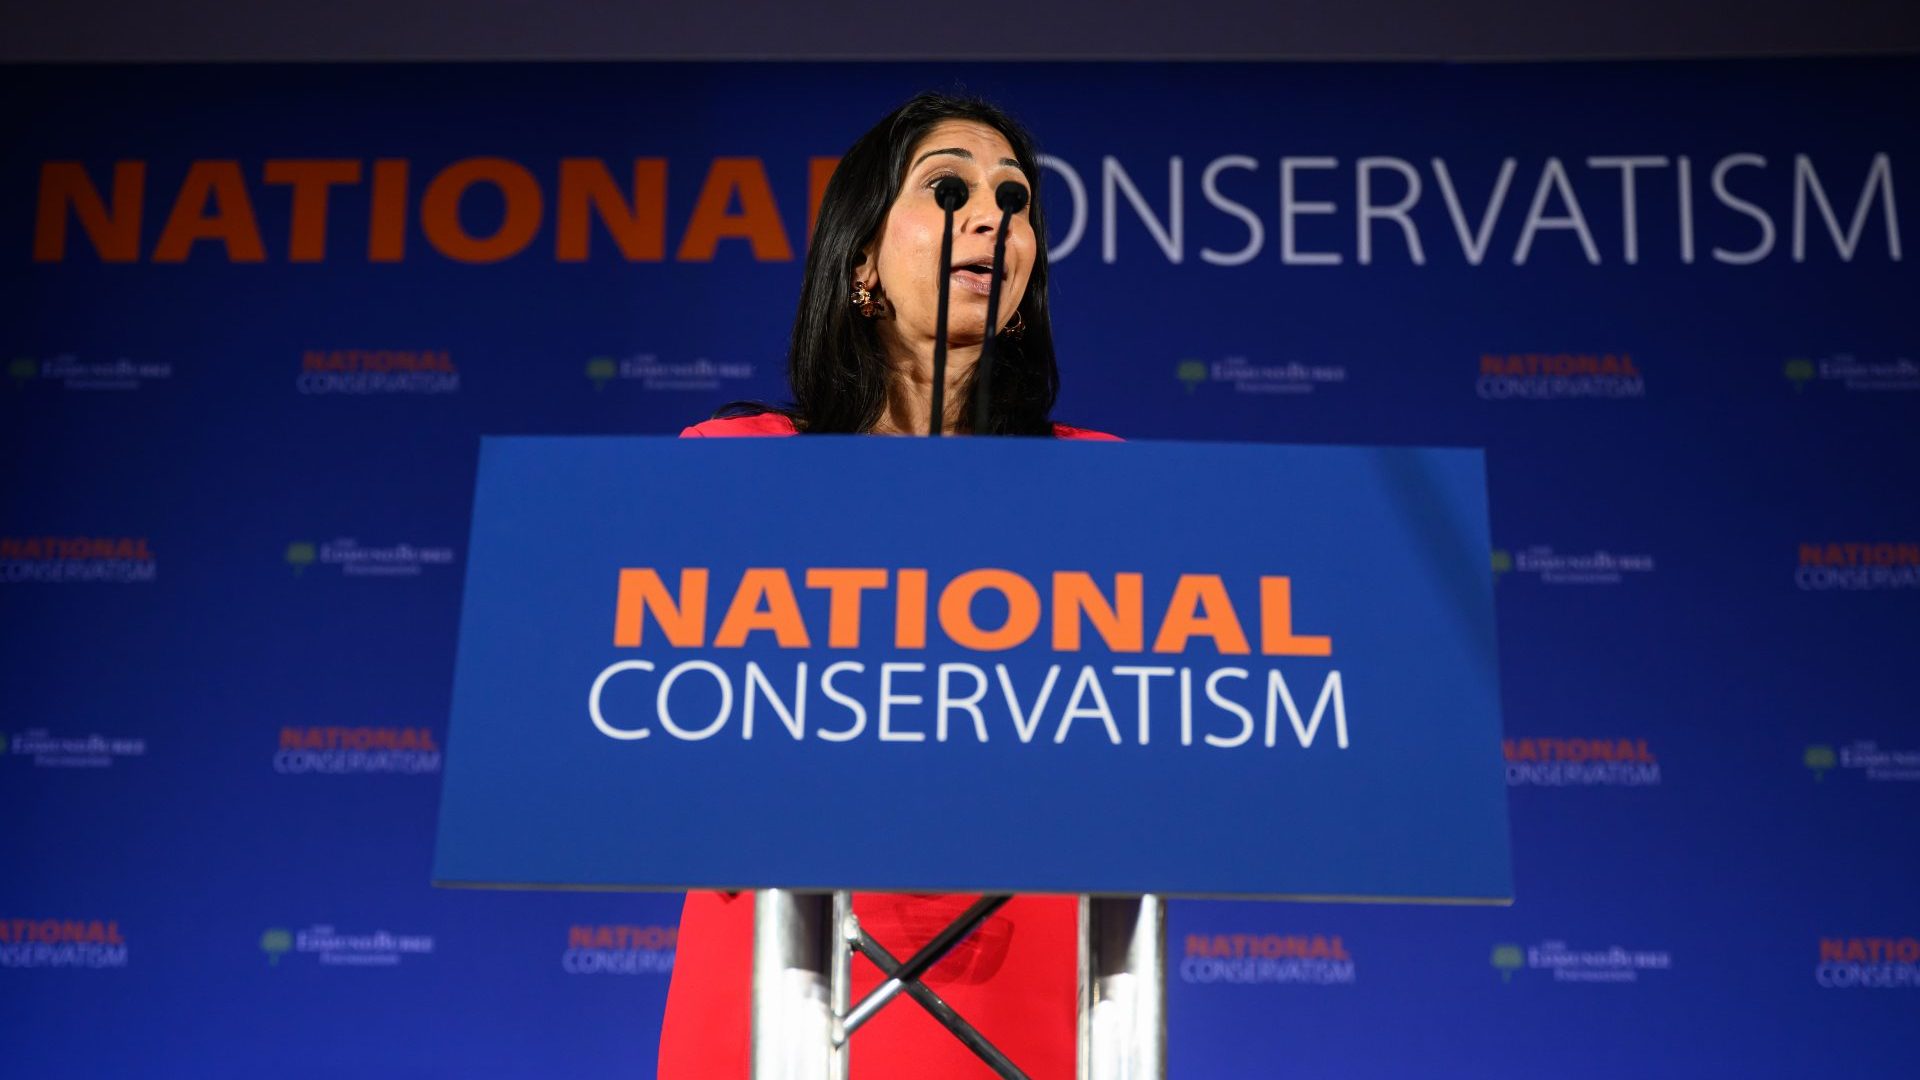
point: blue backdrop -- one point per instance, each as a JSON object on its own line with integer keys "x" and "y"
{"x": 258, "y": 317}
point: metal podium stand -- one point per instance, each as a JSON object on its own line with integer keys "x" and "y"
{"x": 804, "y": 1019}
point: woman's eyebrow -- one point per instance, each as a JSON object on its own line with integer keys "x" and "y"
{"x": 954, "y": 150}
{"x": 962, "y": 152}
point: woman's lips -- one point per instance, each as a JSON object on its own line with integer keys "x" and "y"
{"x": 974, "y": 281}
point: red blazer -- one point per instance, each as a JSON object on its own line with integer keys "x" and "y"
{"x": 1015, "y": 978}
{"x": 772, "y": 423}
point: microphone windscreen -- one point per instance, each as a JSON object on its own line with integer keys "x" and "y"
{"x": 1011, "y": 195}
{"x": 950, "y": 193}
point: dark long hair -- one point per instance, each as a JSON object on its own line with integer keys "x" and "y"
{"x": 835, "y": 364}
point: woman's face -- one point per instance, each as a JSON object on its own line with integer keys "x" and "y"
{"x": 904, "y": 259}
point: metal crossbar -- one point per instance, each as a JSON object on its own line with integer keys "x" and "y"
{"x": 802, "y": 950}
{"x": 943, "y": 1012}
{"x": 929, "y": 955}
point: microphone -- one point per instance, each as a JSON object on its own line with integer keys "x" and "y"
{"x": 951, "y": 194}
{"x": 1011, "y": 195}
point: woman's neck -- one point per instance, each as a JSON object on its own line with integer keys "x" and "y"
{"x": 909, "y": 408}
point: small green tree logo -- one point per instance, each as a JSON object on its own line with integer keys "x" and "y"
{"x": 274, "y": 943}
{"x": 1191, "y": 373}
{"x": 1798, "y": 371}
{"x": 1508, "y": 959}
{"x": 601, "y": 369}
{"x": 1819, "y": 759}
{"x": 23, "y": 368}
{"x": 1502, "y": 562}
{"x": 300, "y": 555}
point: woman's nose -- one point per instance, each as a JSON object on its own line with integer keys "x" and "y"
{"x": 983, "y": 216}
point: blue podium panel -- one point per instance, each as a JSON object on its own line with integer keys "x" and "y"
{"x": 1002, "y": 665}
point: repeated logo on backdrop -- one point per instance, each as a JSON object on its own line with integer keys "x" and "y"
{"x": 1561, "y": 962}
{"x": 1255, "y": 958}
{"x": 1575, "y": 762}
{"x": 48, "y": 749}
{"x": 65, "y": 560}
{"x": 1541, "y": 563}
{"x": 1864, "y": 759}
{"x": 377, "y": 371}
{"x": 347, "y": 557}
{"x": 1245, "y": 375}
{"x": 67, "y": 371}
{"x": 619, "y": 950}
{"x": 336, "y": 751}
{"x": 650, "y": 372}
{"x": 1538, "y": 376}
{"x": 1868, "y": 963}
{"x": 1853, "y": 374}
{"x": 1858, "y": 565}
{"x": 88, "y": 943}
{"x": 329, "y": 946}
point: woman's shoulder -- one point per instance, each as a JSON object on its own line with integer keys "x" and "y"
{"x": 1063, "y": 431}
{"x": 728, "y": 427}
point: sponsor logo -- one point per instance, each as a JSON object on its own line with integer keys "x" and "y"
{"x": 1317, "y": 959}
{"x": 1551, "y": 762}
{"x": 377, "y": 371}
{"x": 1541, "y": 563}
{"x": 1612, "y": 964}
{"x": 653, "y": 373}
{"x": 351, "y": 558}
{"x": 114, "y": 560}
{"x": 344, "y": 750}
{"x": 50, "y": 751}
{"x": 1856, "y": 565}
{"x": 1868, "y": 964}
{"x": 1853, "y": 374}
{"x": 70, "y": 372}
{"x": 276, "y": 943}
{"x": 1191, "y": 373}
{"x": 1247, "y": 377}
{"x": 1864, "y": 758}
{"x": 62, "y": 943}
{"x": 301, "y": 555}
{"x": 619, "y": 950}
{"x": 1542, "y": 376}
{"x": 332, "y": 947}
{"x": 1820, "y": 759}
{"x": 1508, "y": 959}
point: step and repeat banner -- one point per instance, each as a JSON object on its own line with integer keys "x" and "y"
{"x": 257, "y": 319}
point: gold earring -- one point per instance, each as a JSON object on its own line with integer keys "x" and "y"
{"x": 863, "y": 301}
{"x": 1017, "y": 327}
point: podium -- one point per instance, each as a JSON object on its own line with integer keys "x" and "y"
{"x": 1124, "y": 671}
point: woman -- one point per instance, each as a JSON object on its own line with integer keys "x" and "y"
{"x": 861, "y": 361}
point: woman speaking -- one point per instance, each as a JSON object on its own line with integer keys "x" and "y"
{"x": 862, "y": 360}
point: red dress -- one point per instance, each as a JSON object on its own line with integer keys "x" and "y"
{"x": 1014, "y": 978}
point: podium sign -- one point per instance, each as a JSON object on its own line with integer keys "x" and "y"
{"x": 977, "y": 665}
